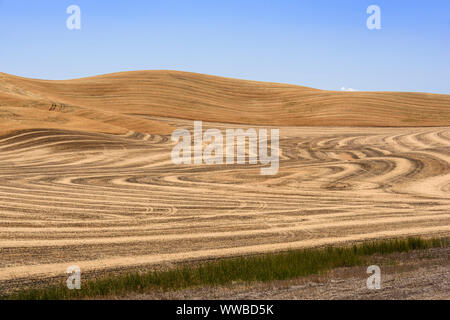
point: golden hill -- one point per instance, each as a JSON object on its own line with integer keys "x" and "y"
{"x": 120, "y": 102}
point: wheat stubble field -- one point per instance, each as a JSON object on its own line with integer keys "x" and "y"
{"x": 86, "y": 176}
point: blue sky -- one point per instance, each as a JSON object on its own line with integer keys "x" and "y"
{"x": 317, "y": 43}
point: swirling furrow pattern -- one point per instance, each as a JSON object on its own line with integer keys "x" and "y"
{"x": 107, "y": 201}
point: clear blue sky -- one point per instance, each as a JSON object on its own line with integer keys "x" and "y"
{"x": 317, "y": 43}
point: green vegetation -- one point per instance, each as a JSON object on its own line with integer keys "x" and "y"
{"x": 267, "y": 267}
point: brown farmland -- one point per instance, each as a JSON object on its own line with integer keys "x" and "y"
{"x": 86, "y": 176}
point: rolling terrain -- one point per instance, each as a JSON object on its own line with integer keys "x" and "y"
{"x": 119, "y": 102}
{"x": 86, "y": 176}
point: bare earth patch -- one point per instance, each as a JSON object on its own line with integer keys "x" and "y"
{"x": 415, "y": 275}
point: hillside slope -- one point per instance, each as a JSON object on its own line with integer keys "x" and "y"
{"x": 119, "y": 102}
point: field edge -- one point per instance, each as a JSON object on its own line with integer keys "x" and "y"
{"x": 248, "y": 269}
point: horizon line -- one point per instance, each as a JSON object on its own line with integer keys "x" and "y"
{"x": 224, "y": 77}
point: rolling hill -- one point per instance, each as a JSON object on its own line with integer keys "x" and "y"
{"x": 120, "y": 102}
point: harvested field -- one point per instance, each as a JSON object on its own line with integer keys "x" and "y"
{"x": 92, "y": 184}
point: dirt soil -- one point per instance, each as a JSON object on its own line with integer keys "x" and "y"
{"x": 415, "y": 275}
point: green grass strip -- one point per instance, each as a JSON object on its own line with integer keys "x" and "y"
{"x": 261, "y": 268}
